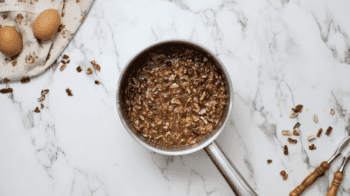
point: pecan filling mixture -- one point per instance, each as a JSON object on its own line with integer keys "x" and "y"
{"x": 176, "y": 103}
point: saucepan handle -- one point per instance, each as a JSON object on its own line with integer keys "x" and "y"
{"x": 239, "y": 186}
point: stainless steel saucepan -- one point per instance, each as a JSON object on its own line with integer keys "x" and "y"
{"x": 225, "y": 166}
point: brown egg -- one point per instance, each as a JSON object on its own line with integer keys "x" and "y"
{"x": 46, "y": 24}
{"x": 11, "y": 42}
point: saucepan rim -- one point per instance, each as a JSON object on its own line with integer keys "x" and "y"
{"x": 192, "y": 149}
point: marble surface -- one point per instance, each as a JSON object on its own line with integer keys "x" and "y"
{"x": 279, "y": 53}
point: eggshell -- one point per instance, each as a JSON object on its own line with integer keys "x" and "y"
{"x": 46, "y": 24}
{"x": 11, "y": 42}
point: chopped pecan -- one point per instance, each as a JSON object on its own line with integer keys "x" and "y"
{"x": 37, "y": 110}
{"x": 42, "y": 106}
{"x": 25, "y": 79}
{"x": 319, "y": 132}
{"x": 65, "y": 56}
{"x": 79, "y": 69}
{"x": 298, "y": 108}
{"x": 329, "y": 130}
{"x": 286, "y": 132}
{"x": 315, "y": 118}
{"x": 95, "y": 65}
{"x": 293, "y": 115}
{"x": 297, "y": 125}
{"x": 296, "y": 132}
{"x": 6, "y": 90}
{"x": 69, "y": 92}
{"x": 285, "y": 149}
{"x": 6, "y": 80}
{"x": 97, "y": 82}
{"x": 292, "y": 141}
{"x": 311, "y": 137}
{"x": 89, "y": 71}
{"x": 332, "y": 111}
{"x": 269, "y": 161}
{"x": 312, "y": 147}
{"x": 63, "y": 67}
{"x": 44, "y": 92}
{"x": 42, "y": 98}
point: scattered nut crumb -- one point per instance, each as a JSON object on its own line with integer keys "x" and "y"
{"x": 97, "y": 82}
{"x": 293, "y": 115}
{"x": 63, "y": 61}
{"x": 68, "y": 61}
{"x": 296, "y": 132}
{"x": 311, "y": 137}
{"x": 297, "y": 125}
{"x": 79, "y": 69}
{"x": 315, "y": 118}
{"x": 286, "y": 132}
{"x": 89, "y": 71}
{"x": 332, "y": 111}
{"x": 319, "y": 132}
{"x": 312, "y": 147}
{"x": 6, "y": 80}
{"x": 25, "y": 79}
{"x": 6, "y": 90}
{"x": 269, "y": 161}
{"x": 42, "y": 106}
{"x": 69, "y": 92}
{"x": 63, "y": 67}
{"x": 292, "y": 141}
{"x": 298, "y": 108}
{"x": 37, "y": 110}
{"x": 42, "y": 98}
{"x": 285, "y": 149}
{"x": 329, "y": 130}
{"x": 65, "y": 56}
{"x": 44, "y": 92}
{"x": 95, "y": 65}
{"x": 14, "y": 63}
{"x": 284, "y": 174}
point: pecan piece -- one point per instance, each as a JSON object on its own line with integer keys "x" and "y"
{"x": 319, "y": 132}
{"x": 285, "y": 149}
{"x": 63, "y": 67}
{"x": 79, "y": 69}
{"x": 37, "y": 110}
{"x": 69, "y": 92}
{"x": 296, "y": 132}
{"x": 89, "y": 71}
{"x": 329, "y": 130}
{"x": 25, "y": 79}
{"x": 312, "y": 147}
{"x": 298, "y": 108}
{"x": 6, "y": 90}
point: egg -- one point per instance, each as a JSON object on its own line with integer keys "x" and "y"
{"x": 11, "y": 42}
{"x": 46, "y": 24}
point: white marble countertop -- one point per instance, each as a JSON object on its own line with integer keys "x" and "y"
{"x": 279, "y": 53}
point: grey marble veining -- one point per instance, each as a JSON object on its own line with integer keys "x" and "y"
{"x": 279, "y": 53}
